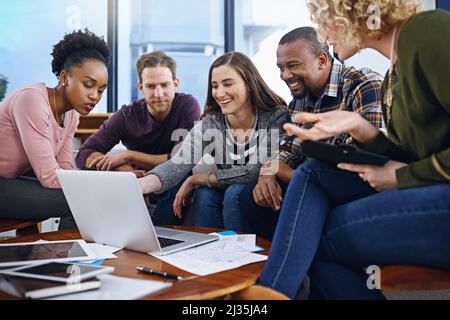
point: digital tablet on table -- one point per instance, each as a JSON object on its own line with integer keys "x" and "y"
{"x": 58, "y": 271}
{"x": 15, "y": 254}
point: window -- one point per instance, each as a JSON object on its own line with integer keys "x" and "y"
{"x": 191, "y": 32}
{"x": 259, "y": 26}
{"x": 29, "y": 29}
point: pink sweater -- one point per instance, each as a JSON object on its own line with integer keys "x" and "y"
{"x": 30, "y": 138}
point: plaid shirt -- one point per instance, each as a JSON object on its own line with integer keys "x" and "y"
{"x": 349, "y": 89}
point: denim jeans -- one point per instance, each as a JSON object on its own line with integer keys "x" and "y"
{"x": 355, "y": 227}
{"x": 24, "y": 198}
{"x": 260, "y": 220}
{"x": 164, "y": 214}
{"x": 216, "y": 208}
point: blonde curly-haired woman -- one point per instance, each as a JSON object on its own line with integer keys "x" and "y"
{"x": 337, "y": 221}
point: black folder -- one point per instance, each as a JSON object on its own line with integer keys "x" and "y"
{"x": 343, "y": 153}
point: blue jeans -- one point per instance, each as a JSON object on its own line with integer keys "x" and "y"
{"x": 216, "y": 208}
{"x": 164, "y": 214}
{"x": 355, "y": 227}
{"x": 260, "y": 220}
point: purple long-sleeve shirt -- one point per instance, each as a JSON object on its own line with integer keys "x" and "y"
{"x": 138, "y": 131}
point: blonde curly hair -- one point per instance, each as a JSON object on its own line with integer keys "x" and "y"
{"x": 351, "y": 17}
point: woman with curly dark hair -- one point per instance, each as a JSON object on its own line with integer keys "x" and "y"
{"x": 37, "y": 124}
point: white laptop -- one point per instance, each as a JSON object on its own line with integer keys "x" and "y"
{"x": 109, "y": 208}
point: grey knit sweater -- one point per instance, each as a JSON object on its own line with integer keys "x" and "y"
{"x": 209, "y": 137}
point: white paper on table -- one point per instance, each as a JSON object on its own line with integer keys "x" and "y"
{"x": 204, "y": 263}
{"x": 243, "y": 242}
{"x": 118, "y": 288}
{"x": 102, "y": 251}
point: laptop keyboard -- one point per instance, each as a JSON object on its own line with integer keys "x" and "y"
{"x": 165, "y": 242}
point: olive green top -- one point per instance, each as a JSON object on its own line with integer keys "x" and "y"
{"x": 420, "y": 123}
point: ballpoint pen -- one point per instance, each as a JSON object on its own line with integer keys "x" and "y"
{"x": 159, "y": 273}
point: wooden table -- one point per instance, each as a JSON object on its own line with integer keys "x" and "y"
{"x": 213, "y": 286}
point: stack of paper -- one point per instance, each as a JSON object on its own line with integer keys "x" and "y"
{"x": 118, "y": 288}
{"x": 229, "y": 252}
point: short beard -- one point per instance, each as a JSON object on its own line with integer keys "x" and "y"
{"x": 304, "y": 94}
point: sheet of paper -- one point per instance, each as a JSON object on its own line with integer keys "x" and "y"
{"x": 204, "y": 263}
{"x": 118, "y": 288}
{"x": 230, "y": 233}
{"x": 245, "y": 242}
{"x": 43, "y": 241}
{"x": 102, "y": 252}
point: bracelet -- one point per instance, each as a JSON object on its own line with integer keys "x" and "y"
{"x": 437, "y": 166}
{"x": 266, "y": 169}
{"x": 208, "y": 179}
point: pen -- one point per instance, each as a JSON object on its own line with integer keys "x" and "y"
{"x": 159, "y": 273}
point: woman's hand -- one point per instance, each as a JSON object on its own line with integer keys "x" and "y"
{"x": 330, "y": 124}
{"x": 183, "y": 196}
{"x": 380, "y": 178}
{"x": 109, "y": 162}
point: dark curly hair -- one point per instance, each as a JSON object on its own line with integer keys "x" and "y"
{"x": 76, "y": 47}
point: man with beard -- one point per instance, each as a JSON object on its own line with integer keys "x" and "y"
{"x": 145, "y": 128}
{"x": 318, "y": 83}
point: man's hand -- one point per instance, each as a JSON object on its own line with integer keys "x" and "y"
{"x": 129, "y": 168}
{"x": 268, "y": 192}
{"x": 109, "y": 162}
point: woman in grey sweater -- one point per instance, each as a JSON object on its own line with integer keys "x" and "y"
{"x": 241, "y": 129}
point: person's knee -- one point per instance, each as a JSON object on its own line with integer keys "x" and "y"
{"x": 309, "y": 168}
{"x": 246, "y": 195}
{"x": 313, "y": 165}
{"x": 233, "y": 193}
{"x": 206, "y": 202}
{"x": 207, "y": 209}
{"x": 204, "y": 195}
{"x": 232, "y": 210}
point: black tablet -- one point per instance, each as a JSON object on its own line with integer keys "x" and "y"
{"x": 15, "y": 254}
{"x": 58, "y": 271}
{"x": 341, "y": 153}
